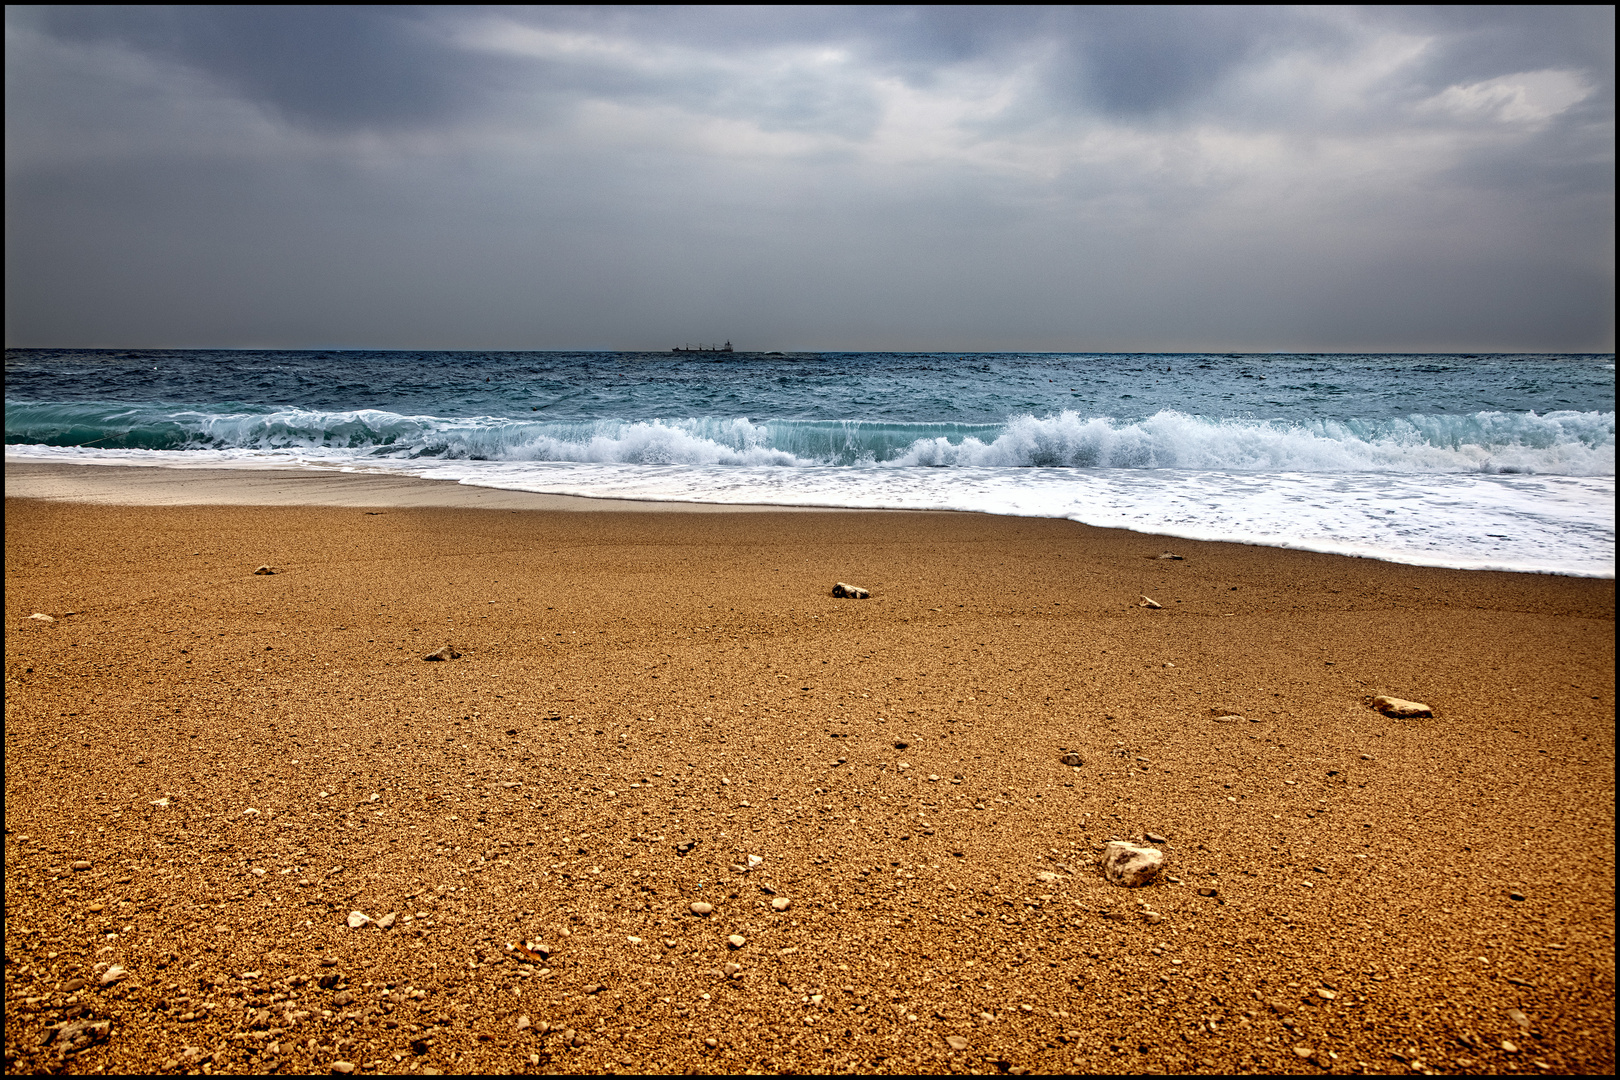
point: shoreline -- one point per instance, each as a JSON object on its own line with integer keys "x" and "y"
{"x": 169, "y": 485}
{"x": 159, "y": 485}
{"x": 643, "y": 701}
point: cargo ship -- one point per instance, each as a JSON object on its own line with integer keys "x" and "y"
{"x": 704, "y": 348}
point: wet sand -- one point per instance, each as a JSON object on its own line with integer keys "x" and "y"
{"x": 143, "y": 485}
{"x": 644, "y": 699}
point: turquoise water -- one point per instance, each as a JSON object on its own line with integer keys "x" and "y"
{"x": 1460, "y": 460}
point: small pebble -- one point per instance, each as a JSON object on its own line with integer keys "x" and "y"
{"x": 1326, "y": 995}
{"x": 754, "y": 860}
{"x": 343, "y": 1066}
{"x": 956, "y": 1042}
{"x": 736, "y": 941}
{"x": 732, "y": 970}
{"x": 593, "y": 988}
{"x": 387, "y": 921}
{"x": 41, "y": 616}
{"x": 1071, "y": 760}
{"x": 113, "y": 974}
{"x": 1519, "y": 1018}
{"x": 711, "y": 1043}
{"x": 357, "y": 919}
{"x": 82, "y": 864}
{"x": 1154, "y": 838}
{"x": 1304, "y": 1051}
{"x": 342, "y": 998}
{"x": 1511, "y": 895}
{"x": 781, "y": 903}
{"x": 523, "y": 1023}
{"x": 1510, "y": 1047}
{"x": 701, "y": 908}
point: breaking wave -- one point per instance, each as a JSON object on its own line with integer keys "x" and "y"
{"x": 1555, "y": 443}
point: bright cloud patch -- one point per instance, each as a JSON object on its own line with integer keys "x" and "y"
{"x": 1527, "y": 97}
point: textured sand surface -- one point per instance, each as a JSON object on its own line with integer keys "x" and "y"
{"x": 243, "y": 760}
{"x": 140, "y": 485}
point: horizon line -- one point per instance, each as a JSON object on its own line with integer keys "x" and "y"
{"x": 823, "y": 352}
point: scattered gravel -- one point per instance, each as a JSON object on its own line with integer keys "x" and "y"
{"x": 924, "y": 916}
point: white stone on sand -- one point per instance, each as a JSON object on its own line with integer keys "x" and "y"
{"x": 1130, "y": 866}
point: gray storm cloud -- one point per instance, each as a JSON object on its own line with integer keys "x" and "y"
{"x": 956, "y": 178}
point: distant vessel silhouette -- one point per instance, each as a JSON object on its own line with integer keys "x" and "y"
{"x": 704, "y": 348}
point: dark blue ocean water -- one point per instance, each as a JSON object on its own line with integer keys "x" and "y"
{"x": 1463, "y": 460}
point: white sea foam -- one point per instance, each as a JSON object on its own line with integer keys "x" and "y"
{"x": 1560, "y": 525}
{"x": 1556, "y": 443}
{"x": 1568, "y": 443}
{"x": 1543, "y": 524}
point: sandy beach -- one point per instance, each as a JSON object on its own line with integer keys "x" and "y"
{"x": 209, "y": 769}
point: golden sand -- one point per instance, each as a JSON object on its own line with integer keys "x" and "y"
{"x": 644, "y": 700}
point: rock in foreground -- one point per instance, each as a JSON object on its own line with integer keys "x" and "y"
{"x": 446, "y": 653}
{"x": 852, "y": 592}
{"x": 1400, "y": 707}
{"x": 1127, "y": 865}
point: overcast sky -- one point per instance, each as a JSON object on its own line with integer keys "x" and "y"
{"x": 1069, "y": 179}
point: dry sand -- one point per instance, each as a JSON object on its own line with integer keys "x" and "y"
{"x": 243, "y": 760}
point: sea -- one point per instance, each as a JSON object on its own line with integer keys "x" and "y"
{"x": 1501, "y": 462}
